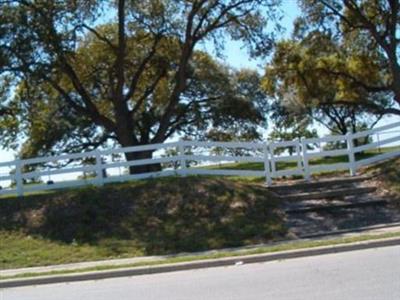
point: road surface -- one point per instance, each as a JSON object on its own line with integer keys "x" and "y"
{"x": 366, "y": 274}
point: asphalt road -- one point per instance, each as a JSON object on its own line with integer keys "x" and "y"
{"x": 365, "y": 274}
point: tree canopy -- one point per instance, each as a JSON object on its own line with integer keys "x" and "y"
{"x": 301, "y": 77}
{"x": 365, "y": 37}
{"x": 341, "y": 65}
{"x": 128, "y": 71}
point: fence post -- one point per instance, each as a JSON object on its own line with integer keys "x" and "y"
{"x": 99, "y": 168}
{"x": 350, "y": 150}
{"x": 266, "y": 165}
{"x": 298, "y": 153}
{"x": 273, "y": 163}
{"x": 18, "y": 178}
{"x": 379, "y": 144}
{"x": 181, "y": 147}
{"x": 306, "y": 167}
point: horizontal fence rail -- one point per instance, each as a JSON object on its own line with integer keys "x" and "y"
{"x": 269, "y": 160}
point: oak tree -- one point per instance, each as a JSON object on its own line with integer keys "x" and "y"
{"x": 121, "y": 70}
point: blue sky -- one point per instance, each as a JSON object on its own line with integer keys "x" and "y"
{"x": 237, "y": 57}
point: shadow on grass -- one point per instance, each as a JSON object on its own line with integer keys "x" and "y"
{"x": 160, "y": 216}
{"x": 388, "y": 174}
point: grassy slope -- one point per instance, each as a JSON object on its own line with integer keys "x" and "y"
{"x": 160, "y": 216}
{"x": 388, "y": 174}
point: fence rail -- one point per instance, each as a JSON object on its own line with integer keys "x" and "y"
{"x": 302, "y": 158}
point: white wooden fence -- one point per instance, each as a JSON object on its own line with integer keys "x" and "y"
{"x": 269, "y": 157}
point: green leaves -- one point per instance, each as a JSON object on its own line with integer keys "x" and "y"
{"x": 127, "y": 72}
{"x": 324, "y": 80}
{"x": 366, "y": 35}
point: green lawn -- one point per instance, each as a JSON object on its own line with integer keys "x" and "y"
{"x": 152, "y": 217}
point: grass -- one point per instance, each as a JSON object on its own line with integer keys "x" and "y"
{"x": 296, "y": 245}
{"x": 153, "y": 217}
{"x": 388, "y": 174}
{"x": 285, "y": 165}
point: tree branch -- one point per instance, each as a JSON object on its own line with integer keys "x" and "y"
{"x": 101, "y": 37}
{"x": 373, "y": 107}
{"x": 149, "y": 90}
{"x": 97, "y": 118}
{"x": 142, "y": 67}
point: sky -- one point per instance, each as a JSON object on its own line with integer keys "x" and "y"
{"x": 237, "y": 56}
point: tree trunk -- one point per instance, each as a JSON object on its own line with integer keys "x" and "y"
{"x": 130, "y": 156}
{"x": 126, "y": 138}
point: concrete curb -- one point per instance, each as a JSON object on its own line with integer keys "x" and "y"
{"x": 208, "y": 263}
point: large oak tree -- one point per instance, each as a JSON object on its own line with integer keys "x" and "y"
{"x": 132, "y": 80}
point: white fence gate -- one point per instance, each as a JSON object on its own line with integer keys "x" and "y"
{"x": 105, "y": 167}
